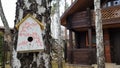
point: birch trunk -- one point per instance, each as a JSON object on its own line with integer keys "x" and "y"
{"x": 41, "y": 10}
{"x": 99, "y": 35}
{"x": 59, "y": 37}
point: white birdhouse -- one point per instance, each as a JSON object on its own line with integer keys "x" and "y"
{"x": 29, "y": 35}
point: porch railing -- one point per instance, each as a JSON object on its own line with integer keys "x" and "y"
{"x": 110, "y": 15}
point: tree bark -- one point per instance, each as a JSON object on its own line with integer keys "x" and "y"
{"x": 41, "y": 10}
{"x": 99, "y": 35}
{"x": 59, "y": 41}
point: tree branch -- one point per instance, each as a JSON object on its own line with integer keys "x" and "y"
{"x": 3, "y": 18}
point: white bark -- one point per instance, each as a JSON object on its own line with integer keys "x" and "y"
{"x": 20, "y": 14}
{"x": 99, "y": 35}
{"x": 59, "y": 41}
{"x": 41, "y": 9}
{"x": 15, "y": 61}
{"x": 27, "y": 4}
{"x": 56, "y": 33}
{"x": 45, "y": 57}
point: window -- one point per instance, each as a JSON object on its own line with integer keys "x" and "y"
{"x": 94, "y": 39}
{"x": 117, "y": 2}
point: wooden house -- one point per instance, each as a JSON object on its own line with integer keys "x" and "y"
{"x": 79, "y": 19}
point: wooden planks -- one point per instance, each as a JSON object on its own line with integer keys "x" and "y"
{"x": 110, "y": 16}
{"x": 84, "y": 56}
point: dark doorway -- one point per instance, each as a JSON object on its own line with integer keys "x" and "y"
{"x": 80, "y": 39}
{"x": 115, "y": 45}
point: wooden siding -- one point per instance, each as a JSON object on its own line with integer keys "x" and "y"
{"x": 110, "y": 16}
{"x": 107, "y": 46}
{"x": 84, "y": 56}
{"x": 79, "y": 20}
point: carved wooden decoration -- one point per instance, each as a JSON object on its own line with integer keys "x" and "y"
{"x": 29, "y": 35}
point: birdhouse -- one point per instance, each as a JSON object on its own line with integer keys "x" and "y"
{"x": 30, "y": 35}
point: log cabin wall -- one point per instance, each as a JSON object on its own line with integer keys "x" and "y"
{"x": 81, "y": 54}
{"x": 110, "y": 17}
{"x": 115, "y": 45}
{"x": 107, "y": 45}
{"x": 86, "y": 52}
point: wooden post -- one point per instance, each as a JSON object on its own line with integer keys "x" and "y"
{"x": 89, "y": 28}
{"x": 70, "y": 39}
{"x": 99, "y": 35}
{"x": 70, "y": 45}
{"x": 90, "y": 37}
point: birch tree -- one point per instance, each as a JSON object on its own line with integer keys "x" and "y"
{"x": 59, "y": 37}
{"x": 41, "y": 10}
{"x": 57, "y": 44}
{"x": 99, "y": 35}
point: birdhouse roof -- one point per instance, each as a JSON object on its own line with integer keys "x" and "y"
{"x": 27, "y": 16}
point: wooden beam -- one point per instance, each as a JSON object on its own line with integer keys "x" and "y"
{"x": 69, "y": 21}
{"x": 89, "y": 28}
{"x": 70, "y": 45}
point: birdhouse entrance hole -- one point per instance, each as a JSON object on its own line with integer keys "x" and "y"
{"x": 30, "y": 39}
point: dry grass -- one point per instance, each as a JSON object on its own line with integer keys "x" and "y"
{"x": 55, "y": 65}
{"x": 6, "y": 66}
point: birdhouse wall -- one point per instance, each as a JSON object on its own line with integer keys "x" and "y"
{"x": 30, "y": 36}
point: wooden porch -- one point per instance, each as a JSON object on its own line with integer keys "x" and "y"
{"x": 83, "y": 56}
{"x": 80, "y": 20}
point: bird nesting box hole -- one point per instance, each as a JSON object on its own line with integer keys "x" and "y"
{"x": 30, "y": 39}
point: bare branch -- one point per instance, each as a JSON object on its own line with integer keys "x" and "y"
{"x": 3, "y": 18}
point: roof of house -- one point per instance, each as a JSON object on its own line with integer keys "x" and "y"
{"x": 77, "y": 6}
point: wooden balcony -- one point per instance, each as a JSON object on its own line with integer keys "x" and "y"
{"x": 110, "y": 18}
{"x": 84, "y": 56}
